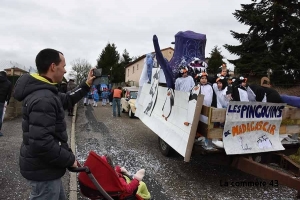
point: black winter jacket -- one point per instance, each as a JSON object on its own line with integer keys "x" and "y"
{"x": 5, "y": 89}
{"x": 45, "y": 153}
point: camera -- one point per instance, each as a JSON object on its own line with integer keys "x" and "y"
{"x": 97, "y": 73}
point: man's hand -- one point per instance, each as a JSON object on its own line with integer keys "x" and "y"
{"x": 90, "y": 77}
{"x": 75, "y": 164}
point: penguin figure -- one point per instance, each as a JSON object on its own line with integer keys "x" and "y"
{"x": 197, "y": 66}
{"x": 192, "y": 104}
{"x": 168, "y": 104}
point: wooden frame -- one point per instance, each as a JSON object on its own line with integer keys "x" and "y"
{"x": 290, "y": 121}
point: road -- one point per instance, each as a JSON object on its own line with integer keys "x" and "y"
{"x": 132, "y": 145}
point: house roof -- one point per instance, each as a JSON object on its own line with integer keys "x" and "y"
{"x": 143, "y": 56}
{"x": 16, "y": 69}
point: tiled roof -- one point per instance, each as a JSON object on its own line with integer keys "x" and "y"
{"x": 5, "y": 64}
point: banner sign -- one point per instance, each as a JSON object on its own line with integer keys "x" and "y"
{"x": 252, "y": 127}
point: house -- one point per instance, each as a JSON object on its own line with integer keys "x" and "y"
{"x": 134, "y": 70}
{"x": 15, "y": 71}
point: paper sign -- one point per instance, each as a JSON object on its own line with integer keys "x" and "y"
{"x": 252, "y": 127}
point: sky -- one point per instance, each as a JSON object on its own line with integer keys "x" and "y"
{"x": 81, "y": 29}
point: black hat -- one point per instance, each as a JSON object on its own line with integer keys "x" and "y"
{"x": 223, "y": 80}
{"x": 241, "y": 79}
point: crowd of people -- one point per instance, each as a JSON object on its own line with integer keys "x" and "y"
{"x": 221, "y": 88}
{"x": 45, "y": 154}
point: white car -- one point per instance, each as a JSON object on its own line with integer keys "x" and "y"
{"x": 128, "y": 102}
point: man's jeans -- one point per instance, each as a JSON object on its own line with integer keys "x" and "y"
{"x": 116, "y": 102}
{"x": 1, "y": 114}
{"x": 50, "y": 190}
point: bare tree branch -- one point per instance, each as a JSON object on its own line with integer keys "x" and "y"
{"x": 80, "y": 69}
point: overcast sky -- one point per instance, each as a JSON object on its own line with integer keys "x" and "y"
{"x": 81, "y": 29}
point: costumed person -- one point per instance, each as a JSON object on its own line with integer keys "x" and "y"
{"x": 239, "y": 92}
{"x": 71, "y": 86}
{"x": 144, "y": 78}
{"x": 150, "y": 63}
{"x": 90, "y": 97}
{"x": 130, "y": 185}
{"x": 230, "y": 84}
{"x": 96, "y": 97}
{"x": 104, "y": 96}
{"x": 202, "y": 88}
{"x": 272, "y": 95}
{"x": 5, "y": 93}
{"x": 184, "y": 82}
{"x": 220, "y": 89}
{"x": 221, "y": 72}
{"x": 205, "y": 88}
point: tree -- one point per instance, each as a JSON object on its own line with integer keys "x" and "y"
{"x": 80, "y": 69}
{"x": 119, "y": 71}
{"x": 272, "y": 41}
{"x": 215, "y": 60}
{"x": 108, "y": 59}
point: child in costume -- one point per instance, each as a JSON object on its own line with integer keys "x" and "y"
{"x": 96, "y": 97}
{"x": 104, "y": 96}
{"x": 90, "y": 97}
{"x": 184, "y": 82}
{"x": 130, "y": 185}
{"x": 220, "y": 89}
{"x": 242, "y": 92}
{"x": 205, "y": 88}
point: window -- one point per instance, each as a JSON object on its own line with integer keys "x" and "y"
{"x": 133, "y": 69}
{"x": 137, "y": 66}
{"x": 128, "y": 72}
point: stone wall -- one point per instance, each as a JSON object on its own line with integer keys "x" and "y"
{"x": 14, "y": 109}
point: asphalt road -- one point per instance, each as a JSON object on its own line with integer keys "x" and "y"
{"x": 12, "y": 184}
{"x": 132, "y": 145}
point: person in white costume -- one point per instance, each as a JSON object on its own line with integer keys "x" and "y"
{"x": 184, "y": 82}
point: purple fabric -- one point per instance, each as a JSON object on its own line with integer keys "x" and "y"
{"x": 164, "y": 64}
{"x": 188, "y": 45}
{"x": 291, "y": 100}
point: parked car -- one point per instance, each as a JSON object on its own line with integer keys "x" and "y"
{"x": 128, "y": 101}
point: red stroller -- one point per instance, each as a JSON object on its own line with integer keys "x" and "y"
{"x": 98, "y": 180}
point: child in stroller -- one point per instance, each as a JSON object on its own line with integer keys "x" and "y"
{"x": 114, "y": 182}
{"x": 135, "y": 185}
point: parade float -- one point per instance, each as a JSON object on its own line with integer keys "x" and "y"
{"x": 254, "y": 135}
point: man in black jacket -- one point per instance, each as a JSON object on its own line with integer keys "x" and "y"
{"x": 5, "y": 92}
{"x": 45, "y": 154}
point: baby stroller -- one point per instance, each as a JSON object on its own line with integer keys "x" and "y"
{"x": 98, "y": 180}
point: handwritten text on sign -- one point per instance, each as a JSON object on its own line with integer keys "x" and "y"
{"x": 252, "y": 127}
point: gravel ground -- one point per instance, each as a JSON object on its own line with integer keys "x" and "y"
{"x": 133, "y": 145}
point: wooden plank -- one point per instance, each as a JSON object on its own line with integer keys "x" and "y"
{"x": 218, "y": 114}
{"x": 191, "y": 139}
{"x": 215, "y": 133}
{"x": 205, "y": 110}
{"x": 202, "y": 128}
{"x": 289, "y": 129}
{"x": 291, "y": 113}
